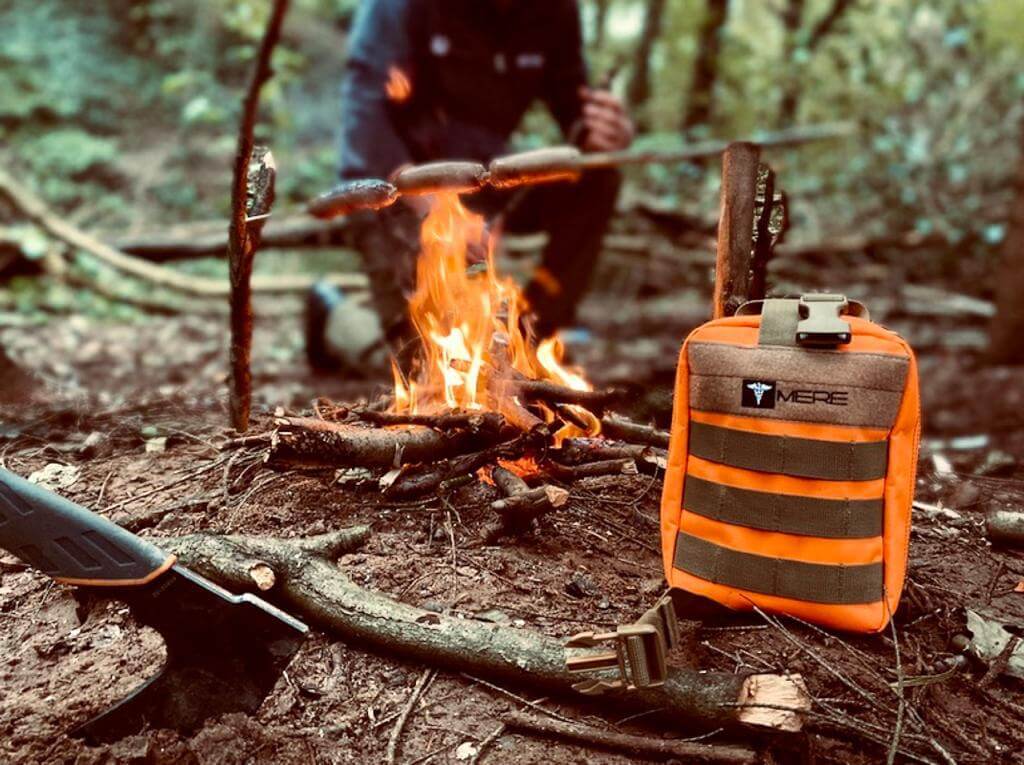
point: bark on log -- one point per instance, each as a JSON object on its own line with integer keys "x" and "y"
{"x": 735, "y": 228}
{"x": 309, "y": 441}
{"x": 643, "y": 746}
{"x": 308, "y": 583}
{"x": 634, "y": 432}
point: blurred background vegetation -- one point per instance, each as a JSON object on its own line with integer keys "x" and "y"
{"x": 123, "y": 114}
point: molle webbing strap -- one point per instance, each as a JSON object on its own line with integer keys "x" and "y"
{"x": 798, "y": 457}
{"x": 808, "y": 516}
{"x": 779, "y": 319}
{"x": 812, "y": 582}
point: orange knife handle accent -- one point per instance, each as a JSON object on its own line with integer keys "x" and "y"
{"x": 72, "y": 544}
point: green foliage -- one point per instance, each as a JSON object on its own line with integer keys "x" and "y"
{"x": 120, "y": 100}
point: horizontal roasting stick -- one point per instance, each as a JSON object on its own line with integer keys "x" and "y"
{"x": 547, "y": 165}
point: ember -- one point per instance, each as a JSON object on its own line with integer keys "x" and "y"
{"x": 477, "y": 351}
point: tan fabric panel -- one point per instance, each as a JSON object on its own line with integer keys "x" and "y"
{"x": 809, "y": 516}
{"x": 812, "y": 582}
{"x": 799, "y": 457}
{"x": 862, "y": 389}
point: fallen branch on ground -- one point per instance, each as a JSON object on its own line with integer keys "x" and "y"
{"x": 643, "y": 746}
{"x": 35, "y": 210}
{"x": 308, "y": 583}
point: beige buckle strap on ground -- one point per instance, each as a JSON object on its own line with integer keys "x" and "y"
{"x": 638, "y": 655}
{"x": 814, "y": 582}
{"x": 808, "y": 516}
{"x": 798, "y": 457}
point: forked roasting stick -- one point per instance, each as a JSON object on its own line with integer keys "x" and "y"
{"x": 555, "y": 163}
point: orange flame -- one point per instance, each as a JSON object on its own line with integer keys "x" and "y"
{"x": 398, "y": 88}
{"x": 468, "y": 321}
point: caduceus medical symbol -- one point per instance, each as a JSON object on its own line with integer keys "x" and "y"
{"x": 759, "y": 389}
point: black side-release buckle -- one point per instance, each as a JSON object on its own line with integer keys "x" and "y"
{"x": 820, "y": 324}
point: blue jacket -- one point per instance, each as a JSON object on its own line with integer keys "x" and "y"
{"x": 474, "y": 66}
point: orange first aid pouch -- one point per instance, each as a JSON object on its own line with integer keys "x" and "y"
{"x": 792, "y": 463}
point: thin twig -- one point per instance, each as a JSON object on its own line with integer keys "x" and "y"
{"x": 493, "y": 736}
{"x": 396, "y": 733}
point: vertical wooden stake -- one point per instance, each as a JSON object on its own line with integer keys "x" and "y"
{"x": 735, "y": 227}
{"x": 243, "y": 239}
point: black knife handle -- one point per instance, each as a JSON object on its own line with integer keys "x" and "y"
{"x": 70, "y": 543}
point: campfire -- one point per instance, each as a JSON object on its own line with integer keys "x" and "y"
{"x": 485, "y": 400}
{"x": 477, "y": 352}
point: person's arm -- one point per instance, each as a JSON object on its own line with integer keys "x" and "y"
{"x": 371, "y": 146}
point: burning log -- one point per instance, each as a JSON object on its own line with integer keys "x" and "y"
{"x": 521, "y": 505}
{"x": 475, "y": 422}
{"x": 552, "y": 393}
{"x": 634, "y": 432}
{"x": 309, "y": 583}
{"x": 309, "y": 441}
{"x": 423, "y": 479}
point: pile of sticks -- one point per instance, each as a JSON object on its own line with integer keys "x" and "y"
{"x": 409, "y": 456}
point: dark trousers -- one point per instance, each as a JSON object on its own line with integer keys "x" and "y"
{"x": 575, "y": 217}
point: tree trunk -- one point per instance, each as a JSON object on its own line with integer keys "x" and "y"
{"x": 600, "y": 19}
{"x": 639, "y": 90}
{"x": 1006, "y": 345}
{"x": 705, "y": 65}
{"x": 792, "y": 20}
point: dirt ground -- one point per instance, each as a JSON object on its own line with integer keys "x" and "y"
{"x": 109, "y": 394}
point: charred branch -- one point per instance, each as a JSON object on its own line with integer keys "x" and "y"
{"x": 521, "y": 505}
{"x": 634, "y": 432}
{"x": 553, "y": 393}
{"x": 571, "y": 473}
{"x": 576, "y": 451}
{"x": 421, "y": 479}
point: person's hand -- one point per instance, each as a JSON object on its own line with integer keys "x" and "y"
{"x": 606, "y": 125}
